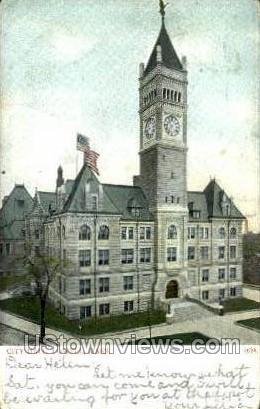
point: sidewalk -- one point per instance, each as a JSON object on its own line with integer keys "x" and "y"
{"x": 213, "y": 327}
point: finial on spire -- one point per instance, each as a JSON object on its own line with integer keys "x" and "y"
{"x": 162, "y": 8}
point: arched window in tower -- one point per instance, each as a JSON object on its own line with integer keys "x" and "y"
{"x": 172, "y": 95}
{"x": 175, "y": 96}
{"x": 84, "y": 232}
{"x": 233, "y": 233}
{"x": 172, "y": 232}
{"x": 164, "y": 93}
{"x": 179, "y": 97}
{"x": 103, "y": 233}
{"x": 168, "y": 94}
{"x": 155, "y": 93}
{"x": 222, "y": 232}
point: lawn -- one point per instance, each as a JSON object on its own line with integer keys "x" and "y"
{"x": 252, "y": 323}
{"x": 240, "y": 304}
{"x": 179, "y": 339}
{"x": 28, "y": 307}
{"x": 12, "y": 280}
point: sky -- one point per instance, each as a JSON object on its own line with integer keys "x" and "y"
{"x": 71, "y": 66}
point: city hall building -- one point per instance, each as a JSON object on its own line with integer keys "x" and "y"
{"x": 130, "y": 248}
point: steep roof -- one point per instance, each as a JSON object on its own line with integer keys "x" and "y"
{"x": 214, "y": 196}
{"x": 127, "y": 198}
{"x": 209, "y": 202}
{"x": 170, "y": 58}
{"x": 78, "y": 200}
{"x": 122, "y": 200}
{"x": 12, "y": 214}
{"x": 47, "y": 199}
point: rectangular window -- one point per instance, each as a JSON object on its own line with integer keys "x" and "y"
{"x": 1, "y": 248}
{"x": 145, "y": 255}
{"x": 204, "y": 232}
{"x": 127, "y": 233}
{"x": 221, "y": 273}
{"x": 147, "y": 282}
{"x": 128, "y": 306}
{"x": 221, "y": 252}
{"x": 233, "y": 272}
{"x": 233, "y": 252}
{"x": 104, "y": 309}
{"x": 7, "y": 249}
{"x": 171, "y": 254}
{"x": 204, "y": 252}
{"x": 103, "y": 257}
{"x": 85, "y": 312}
{"x": 84, "y": 258}
{"x": 191, "y": 253}
{"x": 104, "y": 285}
{"x": 84, "y": 287}
{"x": 205, "y": 295}
{"x": 191, "y": 232}
{"x": 94, "y": 202}
{"x": 128, "y": 283}
{"x": 130, "y": 233}
{"x": 145, "y": 233}
{"x": 233, "y": 291}
{"x": 221, "y": 293}
{"x": 205, "y": 275}
{"x": 127, "y": 256}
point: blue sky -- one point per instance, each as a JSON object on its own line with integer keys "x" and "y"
{"x": 71, "y": 66}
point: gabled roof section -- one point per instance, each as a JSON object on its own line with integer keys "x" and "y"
{"x": 215, "y": 195}
{"x": 12, "y": 215}
{"x": 85, "y": 186}
{"x": 17, "y": 205}
{"x": 130, "y": 201}
{"x": 47, "y": 200}
{"x": 170, "y": 58}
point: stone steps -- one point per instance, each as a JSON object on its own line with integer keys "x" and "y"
{"x": 187, "y": 311}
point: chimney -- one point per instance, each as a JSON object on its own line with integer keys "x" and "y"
{"x": 59, "y": 180}
{"x": 141, "y": 70}
{"x": 184, "y": 62}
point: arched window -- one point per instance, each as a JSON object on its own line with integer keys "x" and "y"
{"x": 84, "y": 233}
{"x": 103, "y": 233}
{"x": 233, "y": 233}
{"x": 164, "y": 92}
{"x": 172, "y": 232}
{"x": 179, "y": 97}
{"x": 175, "y": 96}
{"x": 168, "y": 94}
{"x": 222, "y": 233}
{"x": 63, "y": 232}
{"x": 172, "y": 95}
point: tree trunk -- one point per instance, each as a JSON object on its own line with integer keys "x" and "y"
{"x": 42, "y": 318}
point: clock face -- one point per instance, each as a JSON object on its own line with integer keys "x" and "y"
{"x": 150, "y": 128}
{"x": 171, "y": 125}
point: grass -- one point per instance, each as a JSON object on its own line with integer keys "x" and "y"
{"x": 252, "y": 323}
{"x": 28, "y": 307}
{"x": 179, "y": 339}
{"x": 12, "y": 280}
{"x": 240, "y": 304}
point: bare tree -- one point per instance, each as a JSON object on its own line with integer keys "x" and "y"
{"x": 43, "y": 268}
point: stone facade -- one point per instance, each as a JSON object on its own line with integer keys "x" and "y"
{"x": 130, "y": 248}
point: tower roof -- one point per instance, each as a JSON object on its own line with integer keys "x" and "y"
{"x": 170, "y": 58}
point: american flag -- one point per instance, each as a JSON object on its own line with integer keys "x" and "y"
{"x": 90, "y": 158}
{"x": 82, "y": 143}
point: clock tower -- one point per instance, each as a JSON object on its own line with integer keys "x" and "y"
{"x": 163, "y": 125}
